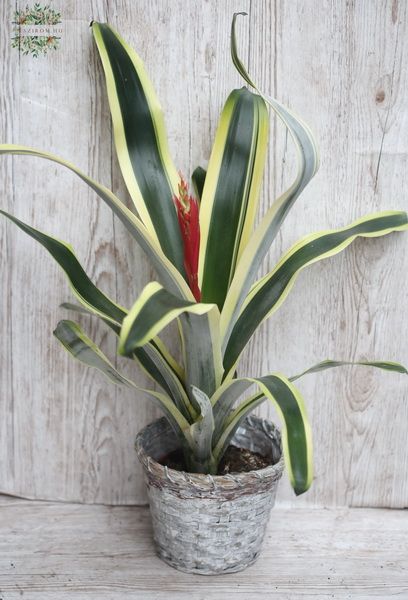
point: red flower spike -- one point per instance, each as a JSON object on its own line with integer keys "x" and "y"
{"x": 188, "y": 218}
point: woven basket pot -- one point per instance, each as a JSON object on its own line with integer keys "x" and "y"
{"x": 210, "y": 524}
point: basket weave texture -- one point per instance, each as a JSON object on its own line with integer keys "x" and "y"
{"x": 210, "y": 524}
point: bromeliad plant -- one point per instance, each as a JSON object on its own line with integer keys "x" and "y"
{"x": 207, "y": 254}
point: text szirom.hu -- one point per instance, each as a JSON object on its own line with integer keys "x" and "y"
{"x": 38, "y": 30}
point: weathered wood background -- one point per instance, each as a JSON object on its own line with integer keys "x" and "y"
{"x": 68, "y": 435}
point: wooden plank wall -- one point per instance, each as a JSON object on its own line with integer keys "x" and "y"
{"x": 65, "y": 433}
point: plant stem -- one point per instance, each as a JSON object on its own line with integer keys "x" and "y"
{"x": 207, "y": 466}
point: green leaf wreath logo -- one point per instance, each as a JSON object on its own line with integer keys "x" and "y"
{"x": 36, "y": 30}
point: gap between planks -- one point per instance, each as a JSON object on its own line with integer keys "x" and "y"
{"x": 64, "y": 551}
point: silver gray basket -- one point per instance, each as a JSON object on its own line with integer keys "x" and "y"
{"x": 210, "y": 524}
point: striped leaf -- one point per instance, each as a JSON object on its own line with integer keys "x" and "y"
{"x": 296, "y": 433}
{"x": 270, "y": 292}
{"x": 83, "y": 349}
{"x": 202, "y": 349}
{"x": 86, "y": 311}
{"x": 231, "y": 190}
{"x": 329, "y": 364}
{"x": 265, "y": 233}
{"x": 168, "y": 357}
{"x": 153, "y": 362}
{"x": 224, "y": 399}
{"x": 140, "y": 139}
{"x": 157, "y": 363}
{"x": 96, "y": 302}
{"x": 154, "y": 310}
{"x": 167, "y": 273}
{"x": 78, "y": 344}
{"x": 82, "y": 287}
{"x": 157, "y": 342}
{"x": 201, "y": 459}
{"x": 227, "y": 428}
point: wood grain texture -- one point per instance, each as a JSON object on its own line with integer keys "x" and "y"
{"x": 340, "y": 66}
{"x": 69, "y": 435}
{"x": 65, "y": 433}
{"x": 60, "y": 551}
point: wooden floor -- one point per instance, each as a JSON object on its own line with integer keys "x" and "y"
{"x": 56, "y": 551}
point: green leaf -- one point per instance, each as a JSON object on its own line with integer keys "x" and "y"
{"x": 140, "y": 140}
{"x": 227, "y": 428}
{"x": 223, "y": 400}
{"x": 264, "y": 235}
{"x": 157, "y": 363}
{"x": 96, "y": 302}
{"x": 296, "y": 433}
{"x": 203, "y": 366}
{"x": 329, "y": 364}
{"x": 161, "y": 371}
{"x": 78, "y": 344}
{"x": 154, "y": 310}
{"x": 168, "y": 274}
{"x": 83, "y": 349}
{"x": 86, "y": 311}
{"x": 200, "y": 459}
{"x": 83, "y": 288}
{"x": 269, "y": 293}
{"x": 157, "y": 342}
{"x": 231, "y": 191}
{"x": 198, "y": 177}
{"x": 167, "y": 356}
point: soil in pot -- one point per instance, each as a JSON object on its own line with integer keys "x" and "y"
{"x": 235, "y": 460}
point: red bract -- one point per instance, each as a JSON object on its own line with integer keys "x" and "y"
{"x": 188, "y": 218}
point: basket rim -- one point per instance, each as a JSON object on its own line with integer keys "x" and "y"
{"x": 168, "y": 477}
